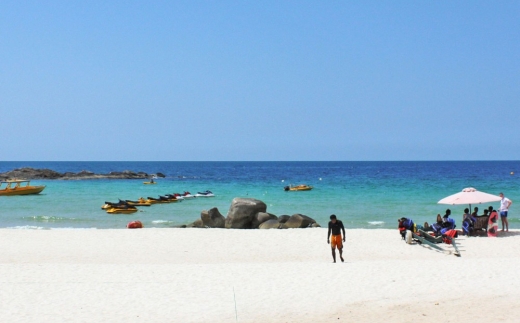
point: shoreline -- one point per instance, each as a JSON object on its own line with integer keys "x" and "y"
{"x": 187, "y": 275}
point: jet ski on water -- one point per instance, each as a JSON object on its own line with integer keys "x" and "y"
{"x": 140, "y": 202}
{"x": 109, "y": 205}
{"x": 174, "y": 198}
{"x": 161, "y": 199}
{"x": 125, "y": 209}
{"x": 207, "y": 193}
{"x": 187, "y": 195}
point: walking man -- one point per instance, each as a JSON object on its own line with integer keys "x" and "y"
{"x": 505, "y": 203}
{"x": 335, "y": 227}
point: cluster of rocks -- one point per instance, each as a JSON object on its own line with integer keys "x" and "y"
{"x": 248, "y": 213}
{"x": 35, "y": 173}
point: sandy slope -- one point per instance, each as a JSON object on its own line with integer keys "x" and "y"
{"x": 195, "y": 275}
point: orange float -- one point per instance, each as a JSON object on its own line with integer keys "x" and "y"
{"x": 135, "y": 225}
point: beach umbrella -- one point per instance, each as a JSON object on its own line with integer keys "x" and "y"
{"x": 469, "y": 196}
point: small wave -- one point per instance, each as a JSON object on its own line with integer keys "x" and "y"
{"x": 73, "y": 228}
{"x": 46, "y": 218}
{"x": 161, "y": 221}
{"x": 376, "y": 222}
{"x": 27, "y": 227}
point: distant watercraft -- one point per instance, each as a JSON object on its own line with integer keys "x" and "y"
{"x": 301, "y": 187}
{"x": 19, "y": 187}
{"x": 205, "y": 194}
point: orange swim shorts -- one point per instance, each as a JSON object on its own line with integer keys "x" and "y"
{"x": 335, "y": 241}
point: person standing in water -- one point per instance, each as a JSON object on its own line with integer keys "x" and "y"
{"x": 505, "y": 203}
{"x": 335, "y": 227}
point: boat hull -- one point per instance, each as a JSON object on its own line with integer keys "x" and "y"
{"x": 22, "y": 191}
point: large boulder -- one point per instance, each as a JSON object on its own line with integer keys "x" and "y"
{"x": 298, "y": 221}
{"x": 283, "y": 218}
{"x": 270, "y": 224}
{"x": 261, "y": 217}
{"x": 212, "y": 218}
{"x": 242, "y": 211}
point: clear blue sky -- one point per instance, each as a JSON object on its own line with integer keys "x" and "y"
{"x": 260, "y": 80}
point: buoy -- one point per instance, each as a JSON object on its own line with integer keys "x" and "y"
{"x": 134, "y": 225}
{"x": 512, "y": 173}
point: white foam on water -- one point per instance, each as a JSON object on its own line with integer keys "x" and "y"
{"x": 160, "y": 221}
{"x": 376, "y": 222}
{"x": 26, "y": 227}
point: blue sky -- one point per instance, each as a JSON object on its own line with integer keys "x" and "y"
{"x": 260, "y": 80}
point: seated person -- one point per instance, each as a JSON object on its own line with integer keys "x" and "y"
{"x": 468, "y": 222}
{"x": 437, "y": 226}
{"x": 447, "y": 222}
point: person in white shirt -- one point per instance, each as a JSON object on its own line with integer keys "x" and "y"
{"x": 505, "y": 203}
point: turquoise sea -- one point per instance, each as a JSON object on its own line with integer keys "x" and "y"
{"x": 362, "y": 194}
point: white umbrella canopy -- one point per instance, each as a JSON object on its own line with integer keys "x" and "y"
{"x": 469, "y": 196}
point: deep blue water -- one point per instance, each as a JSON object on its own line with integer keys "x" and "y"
{"x": 362, "y": 194}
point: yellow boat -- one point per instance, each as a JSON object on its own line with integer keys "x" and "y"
{"x": 302, "y": 187}
{"x": 15, "y": 187}
{"x": 126, "y": 210}
{"x": 148, "y": 183}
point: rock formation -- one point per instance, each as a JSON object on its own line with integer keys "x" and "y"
{"x": 33, "y": 173}
{"x": 212, "y": 218}
{"x": 298, "y": 221}
{"x": 242, "y": 211}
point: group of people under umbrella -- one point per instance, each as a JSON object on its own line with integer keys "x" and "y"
{"x": 470, "y": 222}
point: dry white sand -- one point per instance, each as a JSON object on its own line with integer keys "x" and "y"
{"x": 195, "y": 275}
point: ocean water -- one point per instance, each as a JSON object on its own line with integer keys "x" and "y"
{"x": 361, "y": 194}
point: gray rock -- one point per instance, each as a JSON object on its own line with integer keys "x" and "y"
{"x": 196, "y": 224}
{"x": 315, "y": 225}
{"x": 212, "y": 218}
{"x": 270, "y": 224}
{"x": 298, "y": 221}
{"x": 261, "y": 217}
{"x": 34, "y": 173}
{"x": 283, "y": 218}
{"x": 242, "y": 211}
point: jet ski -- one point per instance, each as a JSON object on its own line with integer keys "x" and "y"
{"x": 187, "y": 195}
{"x": 108, "y": 205}
{"x": 140, "y": 202}
{"x": 207, "y": 193}
{"x": 127, "y": 209}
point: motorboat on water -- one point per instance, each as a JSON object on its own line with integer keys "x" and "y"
{"x": 301, "y": 187}
{"x": 152, "y": 180}
{"x": 206, "y": 193}
{"x": 19, "y": 187}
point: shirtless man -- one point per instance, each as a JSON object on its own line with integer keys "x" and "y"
{"x": 335, "y": 227}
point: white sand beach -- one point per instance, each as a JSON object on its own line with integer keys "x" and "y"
{"x": 203, "y": 275}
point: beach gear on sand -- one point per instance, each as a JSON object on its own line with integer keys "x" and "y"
{"x": 134, "y": 225}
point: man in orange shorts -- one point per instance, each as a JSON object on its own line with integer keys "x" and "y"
{"x": 335, "y": 227}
